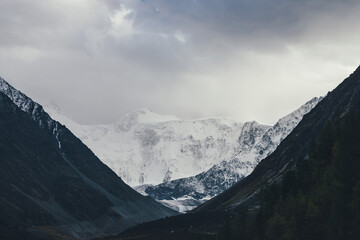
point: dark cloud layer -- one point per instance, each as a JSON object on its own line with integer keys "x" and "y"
{"x": 99, "y": 59}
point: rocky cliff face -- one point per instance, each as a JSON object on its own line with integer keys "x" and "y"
{"x": 52, "y": 185}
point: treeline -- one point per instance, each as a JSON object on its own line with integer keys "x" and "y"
{"x": 318, "y": 199}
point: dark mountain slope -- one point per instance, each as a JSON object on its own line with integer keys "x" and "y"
{"x": 269, "y": 204}
{"x": 51, "y": 183}
{"x": 334, "y": 106}
{"x": 320, "y": 197}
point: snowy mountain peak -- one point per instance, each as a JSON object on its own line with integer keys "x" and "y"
{"x": 303, "y": 109}
{"x": 142, "y": 116}
{"x": 54, "y": 108}
{"x": 255, "y": 142}
{"x": 148, "y": 148}
{"x": 33, "y": 109}
{"x": 146, "y": 115}
{"x": 250, "y": 132}
{"x": 16, "y": 96}
{"x": 297, "y": 115}
{"x": 26, "y": 104}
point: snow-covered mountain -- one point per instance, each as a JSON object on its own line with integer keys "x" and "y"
{"x": 254, "y": 144}
{"x": 181, "y": 163}
{"x": 148, "y": 148}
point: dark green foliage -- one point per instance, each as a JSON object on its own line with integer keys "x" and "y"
{"x": 320, "y": 197}
{"x": 227, "y": 231}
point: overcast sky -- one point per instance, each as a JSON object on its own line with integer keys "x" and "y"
{"x": 244, "y": 59}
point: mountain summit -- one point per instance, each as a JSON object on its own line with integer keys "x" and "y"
{"x": 148, "y": 148}
{"x": 308, "y": 188}
{"x": 182, "y": 163}
{"x": 333, "y": 107}
{"x": 255, "y": 143}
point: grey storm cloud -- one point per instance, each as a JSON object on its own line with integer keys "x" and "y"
{"x": 99, "y": 59}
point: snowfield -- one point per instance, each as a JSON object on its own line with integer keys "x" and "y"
{"x": 181, "y": 163}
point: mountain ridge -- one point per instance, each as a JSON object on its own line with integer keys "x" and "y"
{"x": 255, "y": 144}
{"x": 308, "y": 188}
{"x": 51, "y": 180}
{"x": 170, "y": 149}
{"x": 335, "y": 105}
{"x": 229, "y": 150}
